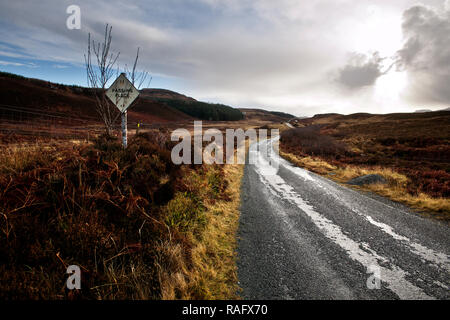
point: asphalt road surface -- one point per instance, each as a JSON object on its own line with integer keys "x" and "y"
{"x": 302, "y": 236}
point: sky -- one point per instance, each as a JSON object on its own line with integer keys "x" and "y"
{"x": 296, "y": 56}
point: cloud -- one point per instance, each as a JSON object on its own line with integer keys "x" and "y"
{"x": 426, "y": 54}
{"x": 361, "y": 71}
{"x": 249, "y": 53}
{"x": 9, "y": 63}
{"x": 18, "y": 64}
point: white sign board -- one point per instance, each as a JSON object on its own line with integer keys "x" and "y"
{"x": 122, "y": 93}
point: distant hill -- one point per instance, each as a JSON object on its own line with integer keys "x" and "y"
{"x": 36, "y": 97}
{"x": 259, "y": 114}
{"x": 193, "y": 107}
{"x": 395, "y": 125}
{"x": 428, "y": 110}
{"x": 162, "y": 94}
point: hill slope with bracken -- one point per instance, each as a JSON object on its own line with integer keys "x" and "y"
{"x": 37, "y": 97}
{"x": 159, "y": 94}
{"x": 260, "y": 114}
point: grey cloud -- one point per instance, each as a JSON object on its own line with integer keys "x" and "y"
{"x": 239, "y": 46}
{"x": 426, "y": 54}
{"x": 361, "y": 71}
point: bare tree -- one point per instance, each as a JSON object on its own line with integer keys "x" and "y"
{"x": 101, "y": 70}
{"x": 136, "y": 77}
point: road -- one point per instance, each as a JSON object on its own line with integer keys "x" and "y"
{"x": 289, "y": 125}
{"x": 302, "y": 236}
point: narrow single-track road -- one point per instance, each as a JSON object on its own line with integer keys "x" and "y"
{"x": 302, "y": 236}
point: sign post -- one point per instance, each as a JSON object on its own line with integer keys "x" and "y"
{"x": 122, "y": 93}
{"x": 124, "y": 128}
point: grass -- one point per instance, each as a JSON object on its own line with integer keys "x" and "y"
{"x": 19, "y": 158}
{"x": 210, "y": 271}
{"x": 214, "y": 257}
{"x": 316, "y": 165}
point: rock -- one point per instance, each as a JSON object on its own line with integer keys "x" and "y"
{"x": 367, "y": 179}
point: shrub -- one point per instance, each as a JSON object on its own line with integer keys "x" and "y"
{"x": 205, "y": 111}
{"x": 94, "y": 206}
{"x": 185, "y": 213}
{"x": 217, "y": 183}
{"x": 309, "y": 141}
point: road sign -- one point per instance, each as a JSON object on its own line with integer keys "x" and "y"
{"x": 122, "y": 93}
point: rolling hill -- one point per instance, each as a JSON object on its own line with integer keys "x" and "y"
{"x": 260, "y": 114}
{"x": 36, "y": 98}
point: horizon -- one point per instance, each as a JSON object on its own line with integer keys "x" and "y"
{"x": 383, "y": 58}
{"x": 249, "y": 108}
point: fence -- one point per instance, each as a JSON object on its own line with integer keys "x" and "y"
{"x": 35, "y": 123}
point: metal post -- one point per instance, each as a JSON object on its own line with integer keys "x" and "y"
{"x": 124, "y": 129}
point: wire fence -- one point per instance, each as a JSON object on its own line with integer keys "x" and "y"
{"x": 19, "y": 122}
{"x": 38, "y": 123}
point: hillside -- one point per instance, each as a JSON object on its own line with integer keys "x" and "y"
{"x": 275, "y": 116}
{"x": 411, "y": 150}
{"x": 205, "y": 111}
{"x": 160, "y": 94}
{"x": 35, "y": 98}
{"x": 191, "y": 106}
{"x": 394, "y": 125}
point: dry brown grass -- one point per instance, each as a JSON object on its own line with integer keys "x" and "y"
{"x": 16, "y": 158}
{"x": 214, "y": 256}
{"x": 395, "y": 189}
{"x": 210, "y": 270}
{"x": 315, "y": 165}
{"x": 172, "y": 271}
